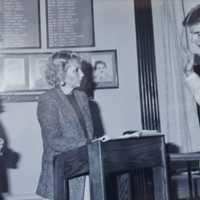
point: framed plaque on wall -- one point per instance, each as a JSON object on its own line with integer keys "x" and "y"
{"x": 22, "y": 75}
{"x": 20, "y": 24}
{"x": 70, "y": 23}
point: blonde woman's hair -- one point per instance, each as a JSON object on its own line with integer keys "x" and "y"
{"x": 56, "y": 66}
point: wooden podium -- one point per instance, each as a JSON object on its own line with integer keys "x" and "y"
{"x": 99, "y": 159}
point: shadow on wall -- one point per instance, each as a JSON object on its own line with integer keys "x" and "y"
{"x": 172, "y": 148}
{"x": 88, "y": 85}
{"x": 8, "y": 158}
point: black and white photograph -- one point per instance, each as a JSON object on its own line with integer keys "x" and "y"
{"x": 99, "y": 99}
{"x": 105, "y": 68}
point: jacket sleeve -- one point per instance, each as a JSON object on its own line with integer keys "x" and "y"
{"x": 193, "y": 81}
{"x": 48, "y": 116}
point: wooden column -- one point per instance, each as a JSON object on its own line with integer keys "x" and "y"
{"x": 147, "y": 65}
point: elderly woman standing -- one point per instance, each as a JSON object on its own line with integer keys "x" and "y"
{"x": 64, "y": 118}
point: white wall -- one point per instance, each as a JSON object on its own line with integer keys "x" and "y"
{"x": 114, "y": 29}
{"x": 23, "y": 132}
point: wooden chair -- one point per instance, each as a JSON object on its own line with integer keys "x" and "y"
{"x": 184, "y": 167}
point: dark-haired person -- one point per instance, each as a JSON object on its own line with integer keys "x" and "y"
{"x": 64, "y": 118}
{"x": 192, "y": 68}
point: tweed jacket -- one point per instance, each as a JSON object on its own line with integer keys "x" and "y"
{"x": 61, "y": 131}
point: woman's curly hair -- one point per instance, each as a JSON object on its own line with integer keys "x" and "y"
{"x": 56, "y": 66}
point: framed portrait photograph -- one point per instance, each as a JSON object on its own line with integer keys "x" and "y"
{"x": 105, "y": 71}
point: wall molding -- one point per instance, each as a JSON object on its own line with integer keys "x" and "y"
{"x": 23, "y": 197}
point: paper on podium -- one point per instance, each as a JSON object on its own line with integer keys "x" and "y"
{"x": 130, "y": 134}
{"x": 103, "y": 138}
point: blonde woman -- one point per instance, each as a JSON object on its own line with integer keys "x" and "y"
{"x": 64, "y": 118}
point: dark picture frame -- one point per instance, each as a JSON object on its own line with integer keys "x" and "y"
{"x": 70, "y": 24}
{"x": 24, "y": 32}
{"x": 105, "y": 68}
{"x": 22, "y": 74}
